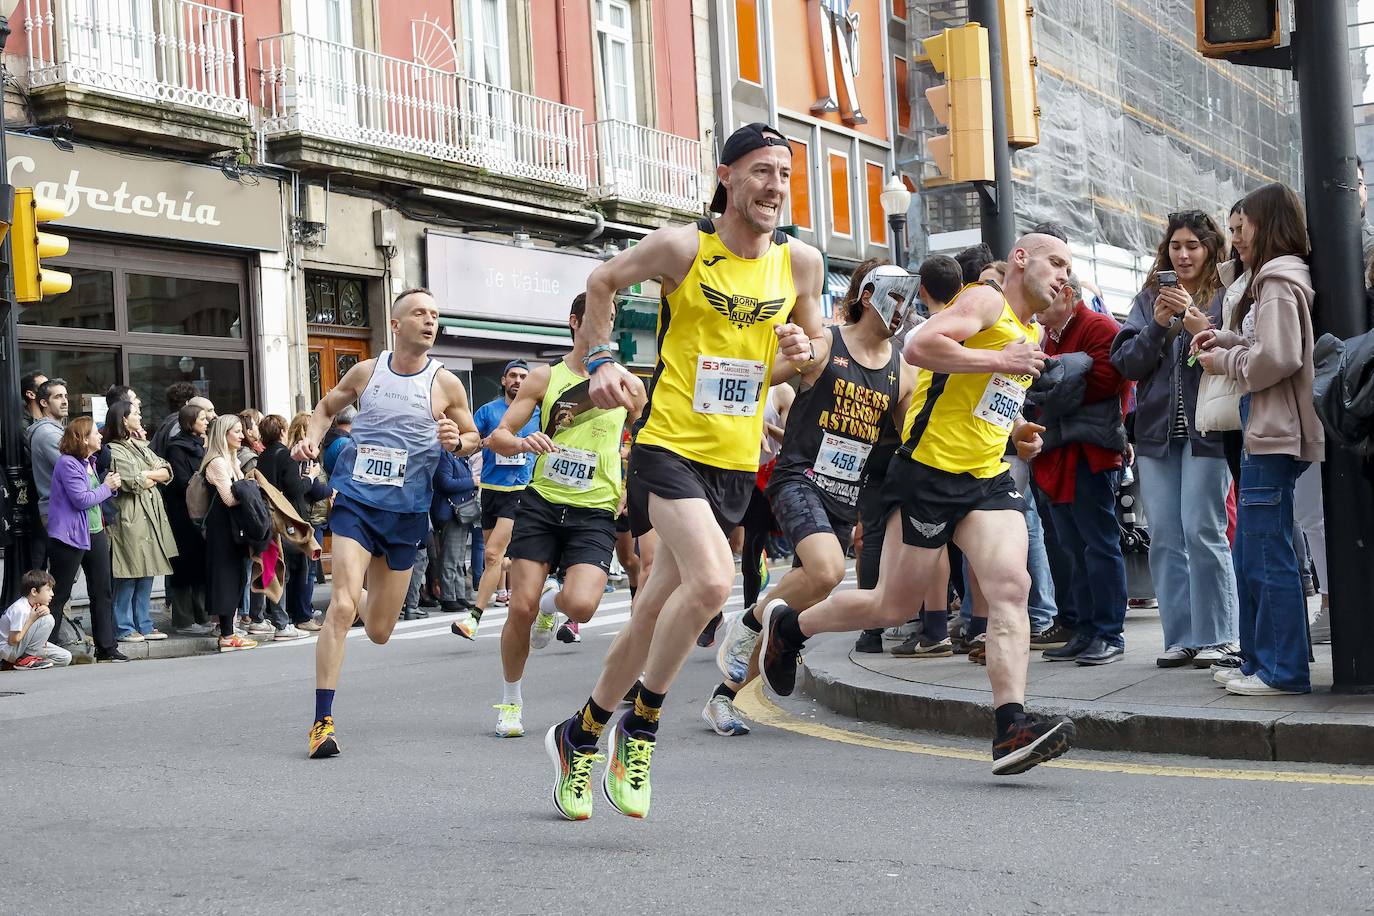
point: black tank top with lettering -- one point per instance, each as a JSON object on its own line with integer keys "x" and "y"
{"x": 834, "y": 425}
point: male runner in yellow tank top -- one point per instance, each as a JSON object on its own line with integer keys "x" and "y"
{"x": 740, "y": 302}
{"x": 948, "y": 481}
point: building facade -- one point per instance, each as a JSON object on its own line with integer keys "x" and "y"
{"x": 250, "y": 182}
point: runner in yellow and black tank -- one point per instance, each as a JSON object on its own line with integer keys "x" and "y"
{"x": 848, "y": 402}
{"x": 948, "y": 482}
{"x": 739, "y": 304}
{"x": 566, "y": 517}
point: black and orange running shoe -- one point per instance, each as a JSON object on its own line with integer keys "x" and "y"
{"x": 322, "y": 741}
{"x": 1031, "y": 740}
{"x": 778, "y": 658}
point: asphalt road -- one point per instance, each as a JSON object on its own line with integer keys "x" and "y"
{"x": 182, "y": 786}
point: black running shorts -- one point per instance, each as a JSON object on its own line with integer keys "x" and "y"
{"x": 801, "y": 512}
{"x": 670, "y": 476}
{"x": 934, "y": 502}
{"x": 498, "y": 504}
{"x": 561, "y": 536}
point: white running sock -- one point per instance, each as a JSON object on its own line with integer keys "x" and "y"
{"x": 546, "y": 601}
{"x": 510, "y": 694}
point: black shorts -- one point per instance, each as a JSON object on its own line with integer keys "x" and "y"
{"x": 657, "y": 470}
{"x": 934, "y": 502}
{"x": 622, "y": 522}
{"x": 561, "y": 536}
{"x": 801, "y": 511}
{"x": 498, "y": 504}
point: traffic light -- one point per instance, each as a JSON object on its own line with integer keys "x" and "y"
{"x": 33, "y": 281}
{"x": 1018, "y": 74}
{"x": 1227, "y": 26}
{"x": 963, "y": 103}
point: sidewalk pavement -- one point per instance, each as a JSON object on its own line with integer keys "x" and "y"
{"x": 1130, "y": 705}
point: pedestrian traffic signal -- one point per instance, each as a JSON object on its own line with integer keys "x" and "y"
{"x": 1227, "y": 26}
{"x": 963, "y": 103}
{"x": 29, "y": 247}
{"x": 1018, "y": 74}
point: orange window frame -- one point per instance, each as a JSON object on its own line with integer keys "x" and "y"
{"x": 799, "y": 191}
{"x": 841, "y": 210}
{"x": 900, "y": 78}
{"x": 877, "y": 220}
{"x": 747, "y": 41}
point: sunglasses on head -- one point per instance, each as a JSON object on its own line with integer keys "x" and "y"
{"x": 1188, "y": 216}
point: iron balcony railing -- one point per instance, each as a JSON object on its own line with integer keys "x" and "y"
{"x": 325, "y": 89}
{"x": 645, "y": 165}
{"x": 177, "y": 51}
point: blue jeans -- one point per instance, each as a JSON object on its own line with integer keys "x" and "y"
{"x": 1190, "y": 560}
{"x": 1092, "y": 575}
{"x": 131, "y": 598}
{"x": 1273, "y": 610}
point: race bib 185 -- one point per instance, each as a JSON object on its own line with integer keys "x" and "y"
{"x": 728, "y": 386}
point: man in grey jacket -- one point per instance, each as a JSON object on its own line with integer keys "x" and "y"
{"x": 40, "y": 444}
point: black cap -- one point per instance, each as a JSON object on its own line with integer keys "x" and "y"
{"x": 515, "y": 364}
{"x": 740, "y": 144}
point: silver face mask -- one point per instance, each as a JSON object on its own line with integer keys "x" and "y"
{"x": 895, "y": 298}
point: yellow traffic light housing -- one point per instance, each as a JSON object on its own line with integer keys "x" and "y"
{"x": 963, "y": 103}
{"x": 1227, "y": 26}
{"x": 29, "y": 247}
{"x": 1018, "y": 74}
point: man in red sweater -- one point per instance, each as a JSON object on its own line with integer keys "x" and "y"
{"x": 1080, "y": 480}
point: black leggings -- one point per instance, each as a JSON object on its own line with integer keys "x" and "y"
{"x": 66, "y": 561}
{"x": 758, "y": 525}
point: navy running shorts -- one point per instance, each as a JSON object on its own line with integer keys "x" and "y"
{"x": 397, "y": 536}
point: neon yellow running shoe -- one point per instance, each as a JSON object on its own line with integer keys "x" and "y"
{"x": 508, "y": 724}
{"x": 764, "y": 576}
{"x": 541, "y": 631}
{"x": 626, "y": 782}
{"x": 572, "y": 767}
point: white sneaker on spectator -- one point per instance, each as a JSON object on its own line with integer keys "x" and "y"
{"x": 901, "y": 633}
{"x": 198, "y": 629}
{"x": 290, "y": 632}
{"x": 1320, "y": 627}
{"x": 1254, "y": 686}
{"x": 132, "y": 637}
{"x": 1206, "y": 657}
{"x": 1224, "y": 676}
{"x": 1175, "y": 657}
{"x": 261, "y": 628}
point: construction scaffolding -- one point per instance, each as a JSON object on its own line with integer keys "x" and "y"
{"x": 1135, "y": 124}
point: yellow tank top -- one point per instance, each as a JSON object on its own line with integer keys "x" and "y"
{"x": 585, "y": 471}
{"x": 958, "y": 422}
{"x": 715, "y": 353}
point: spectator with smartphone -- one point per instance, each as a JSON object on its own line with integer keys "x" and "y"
{"x": 1183, "y": 474}
{"x": 1270, "y": 356}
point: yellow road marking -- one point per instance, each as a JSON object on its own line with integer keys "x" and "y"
{"x": 755, "y": 705}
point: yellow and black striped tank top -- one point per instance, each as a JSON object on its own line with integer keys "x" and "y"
{"x": 715, "y": 353}
{"x": 959, "y": 422}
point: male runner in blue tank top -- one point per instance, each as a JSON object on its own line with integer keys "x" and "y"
{"x": 410, "y": 407}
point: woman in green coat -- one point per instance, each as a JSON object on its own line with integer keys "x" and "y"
{"x": 140, "y": 537}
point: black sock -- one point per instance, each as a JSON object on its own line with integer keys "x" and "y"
{"x": 935, "y": 625}
{"x": 977, "y": 625}
{"x": 789, "y": 627}
{"x": 724, "y": 691}
{"x": 1007, "y": 714}
{"x": 585, "y": 727}
{"x": 748, "y": 620}
{"x": 642, "y": 720}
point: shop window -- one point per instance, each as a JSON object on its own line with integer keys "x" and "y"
{"x": 747, "y": 40}
{"x": 841, "y": 221}
{"x": 877, "y": 220}
{"x": 800, "y": 185}
{"x": 88, "y": 373}
{"x": 183, "y": 305}
{"x": 220, "y": 380}
{"x": 90, "y": 304}
{"x": 336, "y": 301}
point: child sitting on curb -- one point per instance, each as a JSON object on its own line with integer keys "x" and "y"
{"x": 26, "y": 625}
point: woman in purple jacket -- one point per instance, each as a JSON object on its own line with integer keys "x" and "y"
{"x": 77, "y": 538}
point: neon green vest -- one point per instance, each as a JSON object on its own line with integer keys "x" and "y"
{"x": 585, "y": 471}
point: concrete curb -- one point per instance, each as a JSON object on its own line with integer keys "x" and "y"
{"x": 829, "y": 676}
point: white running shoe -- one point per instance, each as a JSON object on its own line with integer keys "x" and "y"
{"x": 503, "y": 596}
{"x": 1224, "y": 676}
{"x": 508, "y": 724}
{"x": 289, "y": 632}
{"x": 724, "y": 720}
{"x": 732, "y": 658}
{"x": 261, "y": 628}
{"x": 903, "y": 632}
{"x": 542, "y": 630}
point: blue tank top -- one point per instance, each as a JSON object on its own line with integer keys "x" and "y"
{"x": 390, "y": 461}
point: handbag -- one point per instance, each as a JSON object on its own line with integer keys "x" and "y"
{"x": 1218, "y": 404}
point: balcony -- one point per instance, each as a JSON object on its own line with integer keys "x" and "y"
{"x": 315, "y": 88}
{"x": 174, "y": 68}
{"x": 641, "y": 165}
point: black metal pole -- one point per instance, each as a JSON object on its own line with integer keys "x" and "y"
{"x": 998, "y": 215}
{"x": 897, "y": 224}
{"x": 17, "y": 552}
{"x": 1322, "y": 68}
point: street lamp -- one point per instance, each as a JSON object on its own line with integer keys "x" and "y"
{"x": 12, "y": 474}
{"x": 896, "y": 200}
